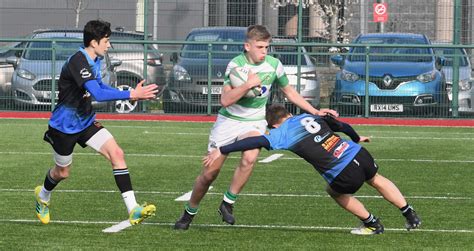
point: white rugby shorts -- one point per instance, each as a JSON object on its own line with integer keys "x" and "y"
{"x": 226, "y": 130}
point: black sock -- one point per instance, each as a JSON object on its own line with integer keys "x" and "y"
{"x": 122, "y": 179}
{"x": 406, "y": 209}
{"x": 49, "y": 182}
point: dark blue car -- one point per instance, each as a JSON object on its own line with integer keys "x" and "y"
{"x": 401, "y": 79}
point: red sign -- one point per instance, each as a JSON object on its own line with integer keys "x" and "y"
{"x": 380, "y": 12}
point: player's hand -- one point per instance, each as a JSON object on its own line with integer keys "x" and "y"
{"x": 143, "y": 92}
{"x": 253, "y": 80}
{"x": 364, "y": 139}
{"x": 209, "y": 159}
{"x": 331, "y": 112}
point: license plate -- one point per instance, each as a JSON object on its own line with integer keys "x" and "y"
{"x": 48, "y": 95}
{"x": 386, "y": 108}
{"x": 214, "y": 90}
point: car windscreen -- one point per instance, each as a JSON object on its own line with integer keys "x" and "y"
{"x": 288, "y": 55}
{"x": 391, "y": 54}
{"x": 221, "y": 51}
{"x": 448, "y": 54}
{"x": 38, "y": 50}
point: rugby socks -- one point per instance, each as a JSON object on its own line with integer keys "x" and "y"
{"x": 370, "y": 219}
{"x": 48, "y": 186}
{"x": 406, "y": 210}
{"x": 229, "y": 197}
{"x": 122, "y": 179}
{"x": 190, "y": 210}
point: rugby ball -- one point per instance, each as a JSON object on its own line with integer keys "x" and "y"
{"x": 238, "y": 76}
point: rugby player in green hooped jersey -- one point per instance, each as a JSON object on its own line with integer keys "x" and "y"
{"x": 242, "y": 117}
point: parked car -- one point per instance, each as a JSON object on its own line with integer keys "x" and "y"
{"x": 130, "y": 72}
{"x": 466, "y": 92}
{"x": 188, "y": 83}
{"x": 309, "y": 82}
{"x": 32, "y": 79}
{"x": 187, "y": 87}
{"x": 401, "y": 79}
{"x": 6, "y": 69}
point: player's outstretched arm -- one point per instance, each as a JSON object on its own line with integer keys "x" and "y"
{"x": 143, "y": 92}
{"x": 295, "y": 98}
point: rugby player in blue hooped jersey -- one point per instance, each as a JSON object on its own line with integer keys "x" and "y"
{"x": 344, "y": 164}
{"x": 73, "y": 121}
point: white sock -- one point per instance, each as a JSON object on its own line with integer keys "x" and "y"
{"x": 44, "y": 194}
{"x": 129, "y": 199}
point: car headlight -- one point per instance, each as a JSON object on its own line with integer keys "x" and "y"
{"x": 349, "y": 76}
{"x": 180, "y": 74}
{"x": 25, "y": 74}
{"x": 427, "y": 76}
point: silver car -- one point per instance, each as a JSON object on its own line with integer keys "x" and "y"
{"x": 466, "y": 92}
{"x": 309, "y": 83}
{"x": 130, "y": 72}
{"x": 6, "y": 69}
{"x": 32, "y": 79}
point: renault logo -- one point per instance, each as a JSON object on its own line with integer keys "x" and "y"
{"x": 219, "y": 74}
{"x": 387, "y": 81}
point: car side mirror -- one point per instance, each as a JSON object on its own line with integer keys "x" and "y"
{"x": 18, "y": 54}
{"x": 115, "y": 62}
{"x": 440, "y": 61}
{"x": 337, "y": 60}
{"x": 12, "y": 60}
{"x": 174, "y": 57}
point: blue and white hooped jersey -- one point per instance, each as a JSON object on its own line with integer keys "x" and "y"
{"x": 311, "y": 138}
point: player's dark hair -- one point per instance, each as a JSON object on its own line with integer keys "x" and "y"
{"x": 275, "y": 113}
{"x": 96, "y": 30}
{"x": 258, "y": 33}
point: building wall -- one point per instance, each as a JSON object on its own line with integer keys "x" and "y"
{"x": 177, "y": 17}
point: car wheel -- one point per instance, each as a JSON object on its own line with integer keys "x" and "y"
{"x": 125, "y": 106}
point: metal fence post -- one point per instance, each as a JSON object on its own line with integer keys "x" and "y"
{"x": 366, "y": 101}
{"x": 209, "y": 77}
{"x": 456, "y": 41}
{"x": 300, "y": 38}
{"x": 53, "y": 75}
{"x": 145, "y": 52}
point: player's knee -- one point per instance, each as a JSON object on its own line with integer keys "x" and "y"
{"x": 117, "y": 155}
{"x": 248, "y": 162}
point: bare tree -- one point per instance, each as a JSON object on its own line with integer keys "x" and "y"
{"x": 330, "y": 12}
{"x": 79, "y": 6}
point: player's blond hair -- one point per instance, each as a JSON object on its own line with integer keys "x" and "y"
{"x": 258, "y": 33}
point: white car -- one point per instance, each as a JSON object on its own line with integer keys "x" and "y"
{"x": 466, "y": 92}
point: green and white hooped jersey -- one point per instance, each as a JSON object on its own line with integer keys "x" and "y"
{"x": 251, "y": 109}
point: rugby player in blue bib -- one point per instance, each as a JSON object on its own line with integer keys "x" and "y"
{"x": 344, "y": 164}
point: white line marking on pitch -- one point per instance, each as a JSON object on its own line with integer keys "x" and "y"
{"x": 118, "y": 227}
{"x": 187, "y": 196}
{"x": 469, "y": 231}
{"x": 233, "y": 157}
{"x": 271, "y": 158}
{"x": 323, "y": 195}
